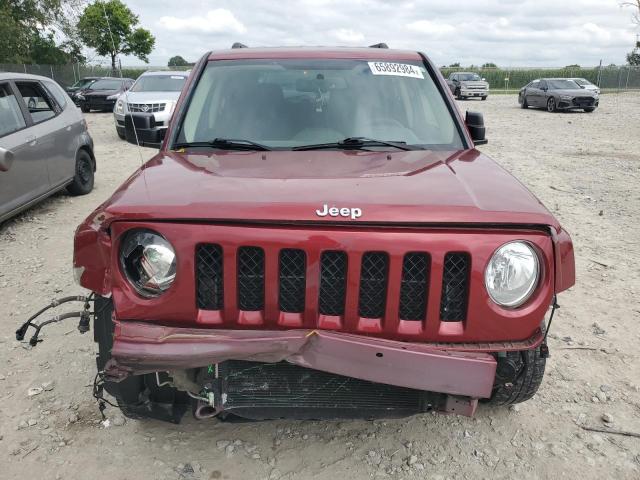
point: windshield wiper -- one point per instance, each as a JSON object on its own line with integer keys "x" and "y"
{"x": 225, "y": 144}
{"x": 357, "y": 143}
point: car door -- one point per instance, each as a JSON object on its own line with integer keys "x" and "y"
{"x": 27, "y": 177}
{"x": 50, "y": 131}
{"x": 533, "y": 93}
{"x": 542, "y": 94}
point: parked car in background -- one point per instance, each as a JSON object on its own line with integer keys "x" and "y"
{"x": 586, "y": 84}
{"x": 44, "y": 147}
{"x": 557, "y": 94}
{"x": 153, "y": 92}
{"x": 468, "y": 85}
{"x": 80, "y": 85}
{"x": 103, "y": 93}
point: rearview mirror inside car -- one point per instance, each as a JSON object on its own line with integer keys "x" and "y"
{"x": 141, "y": 129}
{"x": 6, "y": 159}
{"x": 475, "y": 124}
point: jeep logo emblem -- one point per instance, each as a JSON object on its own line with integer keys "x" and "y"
{"x": 353, "y": 213}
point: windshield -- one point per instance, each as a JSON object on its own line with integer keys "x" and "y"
{"x": 106, "y": 85}
{"x": 469, "y": 77}
{"x": 159, "y": 83}
{"x": 582, "y": 81}
{"x": 84, "y": 83}
{"x": 292, "y": 103}
{"x": 562, "y": 85}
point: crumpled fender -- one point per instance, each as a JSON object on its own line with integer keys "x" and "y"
{"x": 92, "y": 254}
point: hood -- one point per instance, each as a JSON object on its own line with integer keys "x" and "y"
{"x": 412, "y": 187}
{"x": 579, "y": 92}
{"x": 100, "y": 93}
{"x": 152, "y": 97}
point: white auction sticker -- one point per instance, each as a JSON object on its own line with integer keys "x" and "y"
{"x": 398, "y": 69}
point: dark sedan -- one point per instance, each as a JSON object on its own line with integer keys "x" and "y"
{"x": 557, "y": 94}
{"x": 103, "y": 94}
{"x": 80, "y": 86}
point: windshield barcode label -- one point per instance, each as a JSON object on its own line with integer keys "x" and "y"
{"x": 397, "y": 69}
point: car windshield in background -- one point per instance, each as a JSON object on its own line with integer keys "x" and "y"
{"x": 284, "y": 104}
{"x": 159, "y": 83}
{"x": 84, "y": 83}
{"x": 580, "y": 81}
{"x": 105, "y": 85}
{"x": 470, "y": 77}
{"x": 562, "y": 85}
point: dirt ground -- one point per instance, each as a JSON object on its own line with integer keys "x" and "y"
{"x": 584, "y": 167}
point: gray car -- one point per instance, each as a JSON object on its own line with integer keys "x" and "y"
{"x": 44, "y": 143}
{"x": 557, "y": 94}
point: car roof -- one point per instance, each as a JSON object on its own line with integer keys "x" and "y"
{"x": 361, "y": 53}
{"x": 22, "y": 76}
{"x": 183, "y": 73}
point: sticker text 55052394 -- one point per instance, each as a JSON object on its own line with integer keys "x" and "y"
{"x": 397, "y": 69}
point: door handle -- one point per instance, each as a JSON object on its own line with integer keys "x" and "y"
{"x": 31, "y": 140}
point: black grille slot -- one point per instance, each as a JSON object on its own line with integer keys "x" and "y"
{"x": 333, "y": 283}
{"x": 293, "y": 264}
{"x": 455, "y": 287}
{"x": 250, "y": 278}
{"x": 209, "y": 283}
{"x": 413, "y": 286}
{"x": 373, "y": 284}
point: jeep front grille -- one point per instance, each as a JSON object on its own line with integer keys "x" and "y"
{"x": 455, "y": 286}
{"x": 316, "y": 288}
{"x": 251, "y": 278}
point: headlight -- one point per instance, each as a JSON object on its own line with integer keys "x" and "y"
{"x": 512, "y": 274}
{"x": 80, "y": 96}
{"x": 119, "y": 106}
{"x": 113, "y": 97}
{"x": 565, "y": 97}
{"x": 148, "y": 261}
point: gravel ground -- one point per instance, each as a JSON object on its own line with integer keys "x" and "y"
{"x": 584, "y": 167}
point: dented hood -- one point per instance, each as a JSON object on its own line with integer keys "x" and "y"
{"x": 408, "y": 187}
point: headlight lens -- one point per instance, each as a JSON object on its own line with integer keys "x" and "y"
{"x": 148, "y": 261}
{"x": 512, "y": 274}
{"x": 80, "y": 96}
{"x": 565, "y": 97}
{"x": 119, "y": 106}
{"x": 113, "y": 97}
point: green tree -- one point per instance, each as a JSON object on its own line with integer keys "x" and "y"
{"x": 178, "y": 61}
{"x": 454, "y": 65}
{"x": 489, "y": 65}
{"x": 21, "y": 21}
{"x": 633, "y": 57}
{"x": 109, "y": 27}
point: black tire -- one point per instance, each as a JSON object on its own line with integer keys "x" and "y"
{"x": 530, "y": 367}
{"x": 524, "y": 103}
{"x": 590, "y": 109}
{"x": 121, "y": 134}
{"x": 83, "y": 180}
{"x": 551, "y": 105}
{"x": 85, "y": 109}
{"x": 458, "y": 95}
{"x": 137, "y": 396}
{"x": 484, "y": 98}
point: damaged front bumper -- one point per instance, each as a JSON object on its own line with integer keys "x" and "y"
{"x": 460, "y": 377}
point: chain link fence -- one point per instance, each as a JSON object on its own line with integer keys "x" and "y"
{"x": 611, "y": 79}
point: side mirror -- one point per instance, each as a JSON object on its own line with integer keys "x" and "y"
{"x": 140, "y": 129}
{"x": 6, "y": 159}
{"x": 475, "y": 124}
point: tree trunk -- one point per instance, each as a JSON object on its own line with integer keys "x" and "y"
{"x": 114, "y": 71}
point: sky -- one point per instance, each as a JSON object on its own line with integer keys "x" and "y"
{"x": 505, "y": 32}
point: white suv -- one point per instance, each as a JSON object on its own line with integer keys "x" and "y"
{"x": 153, "y": 92}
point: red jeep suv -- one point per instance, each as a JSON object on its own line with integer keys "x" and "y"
{"x": 319, "y": 238}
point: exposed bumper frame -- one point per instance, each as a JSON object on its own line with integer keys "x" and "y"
{"x": 140, "y": 348}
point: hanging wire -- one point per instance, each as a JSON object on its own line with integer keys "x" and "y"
{"x": 126, "y": 94}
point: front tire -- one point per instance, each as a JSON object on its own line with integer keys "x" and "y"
{"x": 459, "y": 95}
{"x": 551, "y": 105}
{"x": 121, "y": 134}
{"x": 590, "y": 109}
{"x": 138, "y": 396}
{"x": 484, "y": 98}
{"x": 84, "y": 178}
{"x": 85, "y": 109}
{"x": 529, "y": 365}
{"x": 524, "y": 103}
